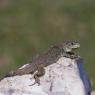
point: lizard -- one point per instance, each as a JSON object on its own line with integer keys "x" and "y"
{"x": 65, "y": 49}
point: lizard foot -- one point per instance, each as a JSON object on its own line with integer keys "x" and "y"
{"x": 40, "y": 72}
{"x": 37, "y": 80}
{"x": 74, "y": 56}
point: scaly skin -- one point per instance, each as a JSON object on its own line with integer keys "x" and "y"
{"x": 47, "y": 58}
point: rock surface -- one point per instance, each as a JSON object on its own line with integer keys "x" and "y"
{"x": 61, "y": 78}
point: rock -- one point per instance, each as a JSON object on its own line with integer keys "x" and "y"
{"x": 61, "y": 78}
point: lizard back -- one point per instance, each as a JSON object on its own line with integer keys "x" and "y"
{"x": 47, "y": 58}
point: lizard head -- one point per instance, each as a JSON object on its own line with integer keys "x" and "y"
{"x": 69, "y": 46}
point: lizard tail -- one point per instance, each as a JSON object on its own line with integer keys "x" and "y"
{"x": 9, "y": 74}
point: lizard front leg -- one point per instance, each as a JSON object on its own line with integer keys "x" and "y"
{"x": 71, "y": 55}
{"x": 40, "y": 72}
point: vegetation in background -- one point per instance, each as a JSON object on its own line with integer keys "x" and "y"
{"x": 28, "y": 27}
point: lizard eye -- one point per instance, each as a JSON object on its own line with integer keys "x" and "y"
{"x": 72, "y": 43}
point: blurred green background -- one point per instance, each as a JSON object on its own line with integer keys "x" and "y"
{"x": 29, "y": 27}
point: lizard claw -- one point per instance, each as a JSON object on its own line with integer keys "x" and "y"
{"x": 37, "y": 80}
